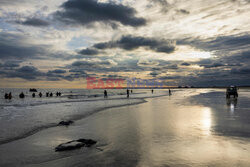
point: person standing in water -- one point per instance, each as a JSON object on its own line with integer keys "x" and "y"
{"x": 152, "y": 91}
{"x": 127, "y": 93}
{"x": 22, "y": 95}
{"x": 33, "y": 95}
{"x": 10, "y": 96}
{"x": 40, "y": 94}
{"x": 6, "y": 96}
{"x": 105, "y": 94}
{"x": 169, "y": 92}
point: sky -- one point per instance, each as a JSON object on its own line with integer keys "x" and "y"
{"x": 59, "y": 43}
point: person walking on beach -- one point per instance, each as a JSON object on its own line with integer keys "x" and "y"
{"x": 105, "y": 94}
{"x": 51, "y": 94}
{"x": 152, "y": 91}
{"x": 10, "y": 96}
{"x": 6, "y": 96}
{"x": 127, "y": 93}
{"x": 33, "y": 95}
{"x": 40, "y": 94}
{"x": 22, "y": 95}
{"x": 131, "y": 91}
{"x": 169, "y": 92}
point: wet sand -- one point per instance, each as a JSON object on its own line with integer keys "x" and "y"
{"x": 204, "y": 129}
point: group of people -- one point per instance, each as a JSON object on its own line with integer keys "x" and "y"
{"x": 106, "y": 93}
{"x": 51, "y": 94}
{"x": 8, "y": 96}
{"x": 131, "y": 91}
{"x": 22, "y": 95}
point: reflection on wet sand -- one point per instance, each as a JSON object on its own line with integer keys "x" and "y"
{"x": 206, "y": 120}
{"x": 232, "y": 103}
{"x": 176, "y": 131}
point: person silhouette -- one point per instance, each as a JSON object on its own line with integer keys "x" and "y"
{"x": 33, "y": 95}
{"x": 6, "y": 96}
{"x": 127, "y": 93}
{"x": 152, "y": 91}
{"x": 10, "y": 96}
{"x": 22, "y": 95}
{"x": 105, "y": 94}
{"x": 169, "y": 92}
{"x": 40, "y": 94}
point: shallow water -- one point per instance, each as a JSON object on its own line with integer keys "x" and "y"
{"x": 193, "y": 127}
{"x": 22, "y": 117}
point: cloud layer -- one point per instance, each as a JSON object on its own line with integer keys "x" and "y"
{"x": 130, "y": 43}
{"x": 196, "y": 42}
{"x": 84, "y": 12}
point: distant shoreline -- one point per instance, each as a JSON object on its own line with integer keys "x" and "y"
{"x": 174, "y": 87}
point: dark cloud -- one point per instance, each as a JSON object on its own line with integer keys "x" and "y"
{"x": 84, "y": 12}
{"x": 16, "y": 46}
{"x": 154, "y": 73}
{"x": 131, "y": 43}
{"x": 36, "y": 22}
{"x": 105, "y": 66}
{"x": 112, "y": 76}
{"x": 77, "y": 71}
{"x": 10, "y": 64}
{"x": 241, "y": 57}
{"x": 79, "y": 68}
{"x": 170, "y": 77}
{"x": 83, "y": 63}
{"x": 214, "y": 65}
{"x": 241, "y": 71}
{"x": 88, "y": 64}
{"x": 89, "y": 51}
{"x": 31, "y": 73}
{"x": 185, "y": 64}
{"x": 58, "y": 71}
{"x": 25, "y": 72}
{"x": 221, "y": 43}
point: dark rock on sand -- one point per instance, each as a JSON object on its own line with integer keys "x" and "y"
{"x": 75, "y": 144}
{"x": 65, "y": 123}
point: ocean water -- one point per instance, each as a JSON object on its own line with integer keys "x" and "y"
{"x": 22, "y": 117}
{"x": 193, "y": 127}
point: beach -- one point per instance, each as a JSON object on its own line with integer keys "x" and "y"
{"x": 192, "y": 127}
